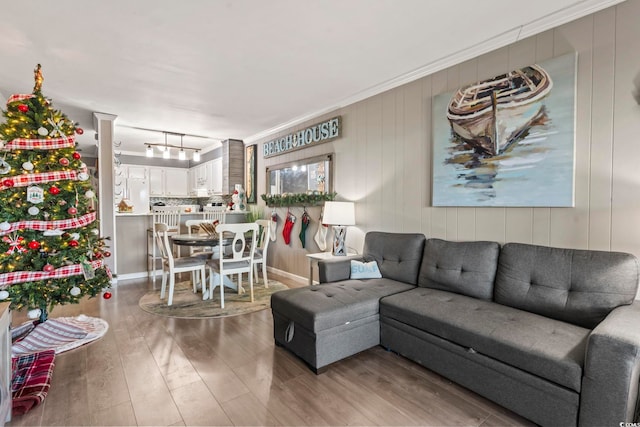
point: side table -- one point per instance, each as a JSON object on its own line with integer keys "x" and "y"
{"x": 319, "y": 256}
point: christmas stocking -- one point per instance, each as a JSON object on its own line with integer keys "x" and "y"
{"x": 274, "y": 226}
{"x": 321, "y": 235}
{"x": 303, "y": 227}
{"x": 288, "y": 226}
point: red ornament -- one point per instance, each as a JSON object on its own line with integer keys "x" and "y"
{"x": 79, "y": 131}
{"x": 73, "y": 243}
{"x": 48, "y": 268}
{"x": 23, "y": 108}
{"x": 106, "y": 254}
{"x": 34, "y": 244}
{"x": 106, "y": 295}
{"x": 97, "y": 255}
{"x": 54, "y": 190}
{"x": 72, "y": 211}
{"x": 64, "y": 161}
{"x": 8, "y": 183}
{"x": 76, "y": 155}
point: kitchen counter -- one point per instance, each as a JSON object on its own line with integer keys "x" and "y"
{"x": 130, "y": 245}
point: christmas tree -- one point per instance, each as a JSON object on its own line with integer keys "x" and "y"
{"x": 50, "y": 249}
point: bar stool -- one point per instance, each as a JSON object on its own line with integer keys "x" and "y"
{"x": 169, "y": 215}
{"x": 212, "y": 213}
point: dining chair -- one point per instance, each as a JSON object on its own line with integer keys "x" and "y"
{"x": 212, "y": 213}
{"x": 169, "y": 215}
{"x": 238, "y": 261}
{"x": 260, "y": 255}
{"x": 172, "y": 266}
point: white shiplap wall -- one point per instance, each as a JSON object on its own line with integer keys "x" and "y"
{"x": 383, "y": 159}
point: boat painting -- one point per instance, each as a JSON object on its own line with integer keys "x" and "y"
{"x": 531, "y": 163}
{"x": 493, "y": 113}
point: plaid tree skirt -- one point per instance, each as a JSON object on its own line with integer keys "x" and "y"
{"x": 31, "y": 379}
{"x": 61, "y": 334}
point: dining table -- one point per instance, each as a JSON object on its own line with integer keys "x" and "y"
{"x": 204, "y": 240}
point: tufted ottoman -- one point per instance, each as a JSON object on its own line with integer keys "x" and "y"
{"x": 325, "y": 323}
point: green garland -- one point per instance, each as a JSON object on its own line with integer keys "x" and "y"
{"x": 297, "y": 199}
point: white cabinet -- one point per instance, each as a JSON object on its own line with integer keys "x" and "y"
{"x": 168, "y": 182}
{"x": 163, "y": 182}
{"x": 176, "y": 182}
{"x": 216, "y": 175}
{"x": 156, "y": 181}
{"x": 206, "y": 177}
{"x": 202, "y": 175}
{"x": 136, "y": 172}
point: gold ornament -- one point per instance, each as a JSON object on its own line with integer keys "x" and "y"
{"x": 37, "y": 74}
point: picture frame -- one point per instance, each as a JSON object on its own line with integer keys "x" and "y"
{"x": 508, "y": 141}
{"x": 250, "y": 158}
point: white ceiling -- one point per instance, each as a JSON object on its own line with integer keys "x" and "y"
{"x": 243, "y": 68}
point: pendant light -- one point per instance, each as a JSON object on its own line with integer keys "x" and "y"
{"x": 181, "y": 154}
{"x": 149, "y": 151}
{"x": 166, "y": 153}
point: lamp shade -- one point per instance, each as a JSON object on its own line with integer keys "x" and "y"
{"x": 339, "y": 213}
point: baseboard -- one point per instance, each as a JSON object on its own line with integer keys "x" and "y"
{"x": 303, "y": 281}
{"x": 138, "y": 275}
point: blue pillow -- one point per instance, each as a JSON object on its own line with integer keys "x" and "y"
{"x": 365, "y": 270}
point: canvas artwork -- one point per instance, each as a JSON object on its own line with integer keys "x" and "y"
{"x": 508, "y": 140}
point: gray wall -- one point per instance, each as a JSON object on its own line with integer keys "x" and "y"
{"x": 383, "y": 160}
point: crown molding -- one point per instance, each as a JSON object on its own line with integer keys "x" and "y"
{"x": 556, "y": 19}
{"x": 568, "y": 14}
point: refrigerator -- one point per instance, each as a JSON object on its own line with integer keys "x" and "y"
{"x": 137, "y": 193}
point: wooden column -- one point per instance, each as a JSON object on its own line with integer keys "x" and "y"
{"x": 103, "y": 123}
{"x": 232, "y": 164}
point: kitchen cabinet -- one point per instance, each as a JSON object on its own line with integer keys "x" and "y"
{"x": 216, "y": 175}
{"x": 136, "y": 172}
{"x": 206, "y": 177}
{"x": 176, "y": 182}
{"x": 156, "y": 181}
{"x": 168, "y": 182}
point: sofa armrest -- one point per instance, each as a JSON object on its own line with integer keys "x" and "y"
{"x": 334, "y": 270}
{"x": 611, "y": 369}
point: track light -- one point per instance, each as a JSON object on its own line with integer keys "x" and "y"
{"x": 165, "y": 148}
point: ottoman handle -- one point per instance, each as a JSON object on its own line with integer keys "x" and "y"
{"x": 288, "y": 333}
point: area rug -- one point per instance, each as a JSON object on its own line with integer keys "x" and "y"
{"x": 61, "y": 334}
{"x": 188, "y": 305}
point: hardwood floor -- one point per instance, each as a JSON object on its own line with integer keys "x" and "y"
{"x": 151, "y": 370}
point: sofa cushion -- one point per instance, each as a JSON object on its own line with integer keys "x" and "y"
{"x": 365, "y": 270}
{"x": 549, "y": 348}
{"x": 577, "y": 286}
{"x": 326, "y": 306}
{"x": 467, "y": 268}
{"x": 398, "y": 254}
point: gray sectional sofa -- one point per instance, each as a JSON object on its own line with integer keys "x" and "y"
{"x": 552, "y": 334}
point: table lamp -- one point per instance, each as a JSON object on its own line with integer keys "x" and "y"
{"x": 339, "y": 214}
